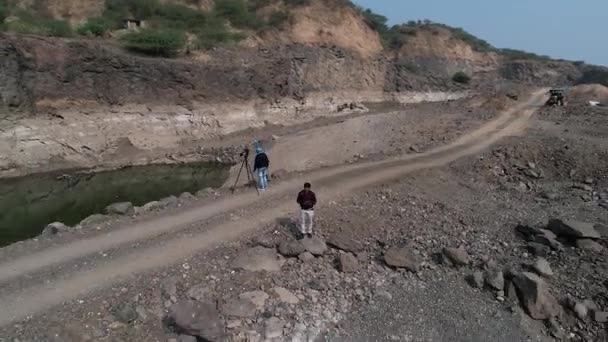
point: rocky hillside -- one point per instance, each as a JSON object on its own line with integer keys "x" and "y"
{"x": 233, "y": 65}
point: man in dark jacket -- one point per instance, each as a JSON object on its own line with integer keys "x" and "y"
{"x": 261, "y": 167}
{"x": 307, "y": 201}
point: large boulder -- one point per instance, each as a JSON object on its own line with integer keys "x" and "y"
{"x": 542, "y": 267}
{"x": 291, "y": 248}
{"x": 200, "y": 319}
{"x": 315, "y": 246}
{"x": 495, "y": 279}
{"x": 122, "y": 208}
{"x": 573, "y": 229}
{"x": 402, "y": 258}
{"x": 590, "y": 245}
{"x": 285, "y": 295}
{"x": 257, "y": 259}
{"x": 345, "y": 242}
{"x": 242, "y": 308}
{"x": 534, "y": 295}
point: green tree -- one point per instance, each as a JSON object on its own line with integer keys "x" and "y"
{"x": 96, "y": 26}
{"x": 237, "y": 12}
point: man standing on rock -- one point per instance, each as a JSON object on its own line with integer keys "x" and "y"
{"x": 261, "y": 166}
{"x": 307, "y": 201}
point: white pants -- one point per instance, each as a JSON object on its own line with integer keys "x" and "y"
{"x": 307, "y": 216}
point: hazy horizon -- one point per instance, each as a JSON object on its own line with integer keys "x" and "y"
{"x": 555, "y": 28}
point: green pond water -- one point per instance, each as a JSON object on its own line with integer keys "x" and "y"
{"x": 29, "y": 203}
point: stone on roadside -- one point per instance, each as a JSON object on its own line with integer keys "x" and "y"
{"x": 402, "y": 258}
{"x": 186, "y": 196}
{"x": 273, "y": 328}
{"x": 257, "y": 259}
{"x": 151, "y": 206}
{"x": 122, "y": 208}
{"x": 476, "y": 279}
{"x": 535, "y": 297}
{"x": 54, "y": 228}
{"x": 590, "y": 305}
{"x": 495, "y": 279}
{"x": 542, "y": 267}
{"x": 306, "y": 257}
{"x": 291, "y": 248}
{"x": 200, "y": 319}
{"x": 93, "y": 219}
{"x": 589, "y": 245}
{"x": 285, "y": 295}
{"x": 573, "y": 229}
{"x": 256, "y": 297}
{"x": 345, "y": 242}
{"x": 315, "y": 246}
{"x": 204, "y": 192}
{"x": 348, "y": 263}
{"x": 241, "y": 308}
{"x": 170, "y": 201}
{"x": 457, "y": 256}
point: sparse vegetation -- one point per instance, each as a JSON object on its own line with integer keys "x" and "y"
{"x": 96, "y": 26}
{"x": 278, "y": 19}
{"x": 296, "y": 2}
{"x": 164, "y": 43}
{"x": 237, "y": 12}
{"x": 3, "y": 13}
{"x": 461, "y": 77}
{"x": 519, "y": 54}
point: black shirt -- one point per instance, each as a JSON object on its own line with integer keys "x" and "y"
{"x": 261, "y": 161}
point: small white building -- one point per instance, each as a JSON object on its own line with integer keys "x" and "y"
{"x": 133, "y": 24}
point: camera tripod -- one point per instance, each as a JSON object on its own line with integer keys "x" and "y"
{"x": 245, "y": 165}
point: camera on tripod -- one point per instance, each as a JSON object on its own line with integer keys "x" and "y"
{"x": 245, "y": 153}
{"x": 248, "y": 171}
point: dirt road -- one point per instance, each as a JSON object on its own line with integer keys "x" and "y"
{"x": 71, "y": 283}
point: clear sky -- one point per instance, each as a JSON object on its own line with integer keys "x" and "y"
{"x": 569, "y": 29}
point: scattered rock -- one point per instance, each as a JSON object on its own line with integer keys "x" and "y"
{"x": 273, "y": 328}
{"x": 415, "y": 149}
{"x": 285, "y": 296}
{"x": 589, "y": 245}
{"x": 539, "y": 249}
{"x": 125, "y": 313}
{"x": 54, "y": 228}
{"x": 600, "y": 316}
{"x": 200, "y": 319}
{"x": 362, "y": 257}
{"x": 402, "y": 258}
{"x": 457, "y": 256}
{"x": 602, "y": 229}
{"x": 511, "y": 292}
{"x": 584, "y": 187}
{"x": 170, "y": 201}
{"x": 476, "y": 279}
{"x": 588, "y": 180}
{"x": 204, "y": 192}
{"x": 199, "y": 292}
{"x": 541, "y": 266}
{"x": 495, "y": 279}
{"x": 256, "y": 297}
{"x": 348, "y": 263}
{"x": 257, "y": 259}
{"x": 590, "y": 305}
{"x": 315, "y": 246}
{"x": 186, "y": 196}
{"x": 241, "y": 308}
{"x": 169, "y": 289}
{"x": 581, "y": 311}
{"x": 552, "y": 196}
{"x": 233, "y": 324}
{"x": 573, "y": 229}
{"x": 306, "y": 257}
{"x": 122, "y": 208}
{"x": 93, "y": 219}
{"x": 279, "y": 174}
{"x": 547, "y": 237}
{"x": 345, "y": 242}
{"x": 534, "y": 296}
{"x": 291, "y": 248}
{"x": 528, "y": 230}
{"x": 186, "y": 338}
{"x": 151, "y": 206}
